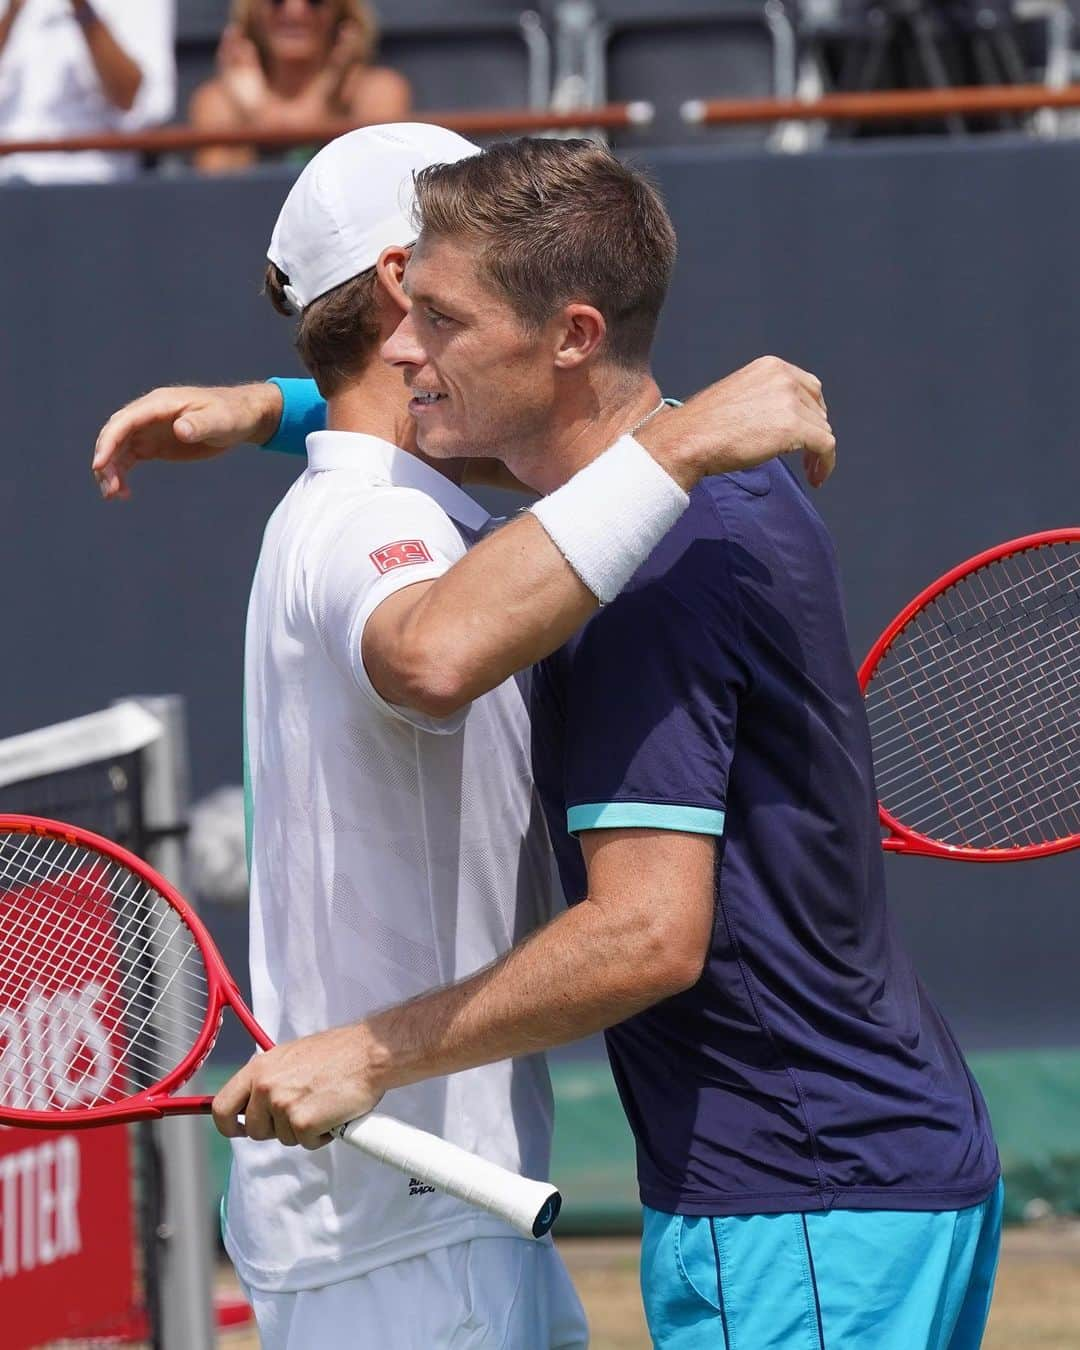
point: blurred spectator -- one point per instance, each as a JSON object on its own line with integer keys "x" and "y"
{"x": 74, "y": 67}
{"x": 290, "y": 63}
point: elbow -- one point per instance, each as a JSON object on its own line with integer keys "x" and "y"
{"x": 437, "y": 697}
{"x": 683, "y": 973}
{"x": 431, "y": 683}
{"x": 674, "y": 962}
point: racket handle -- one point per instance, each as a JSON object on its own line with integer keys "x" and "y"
{"x": 529, "y": 1206}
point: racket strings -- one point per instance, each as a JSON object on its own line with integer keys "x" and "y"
{"x": 1008, "y": 817}
{"x": 912, "y": 790}
{"x": 143, "y": 1057}
{"x": 83, "y": 943}
{"x": 996, "y": 736}
{"x": 1048, "y": 744}
{"x": 1003, "y": 816}
{"x": 103, "y": 988}
{"x": 975, "y": 708}
{"x": 994, "y": 601}
{"x": 930, "y": 657}
{"x": 84, "y": 950}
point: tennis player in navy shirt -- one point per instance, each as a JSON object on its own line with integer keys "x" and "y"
{"x": 806, "y": 1083}
{"x": 716, "y": 695}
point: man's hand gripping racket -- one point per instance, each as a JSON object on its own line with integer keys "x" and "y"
{"x": 973, "y": 697}
{"x": 112, "y": 994}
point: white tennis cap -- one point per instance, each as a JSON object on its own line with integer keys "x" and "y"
{"x": 354, "y": 199}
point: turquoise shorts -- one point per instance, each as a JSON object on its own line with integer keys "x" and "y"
{"x": 829, "y": 1280}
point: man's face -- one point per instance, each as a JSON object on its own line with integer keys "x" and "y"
{"x": 482, "y": 384}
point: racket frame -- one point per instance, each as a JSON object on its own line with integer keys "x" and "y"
{"x": 156, "y": 1101}
{"x": 901, "y": 838}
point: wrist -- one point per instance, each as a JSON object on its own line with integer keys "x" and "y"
{"x": 380, "y": 1073}
{"x": 268, "y": 403}
{"x": 302, "y": 411}
{"x": 84, "y": 12}
{"x": 671, "y": 441}
{"x": 607, "y": 519}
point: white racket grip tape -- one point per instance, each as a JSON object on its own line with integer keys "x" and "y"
{"x": 529, "y": 1206}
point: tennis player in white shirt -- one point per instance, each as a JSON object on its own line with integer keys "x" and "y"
{"x": 397, "y": 848}
{"x": 391, "y": 850}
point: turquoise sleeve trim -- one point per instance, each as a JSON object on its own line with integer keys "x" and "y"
{"x": 644, "y": 816}
{"x": 303, "y": 411}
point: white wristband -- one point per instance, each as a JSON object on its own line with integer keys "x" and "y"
{"x": 611, "y": 515}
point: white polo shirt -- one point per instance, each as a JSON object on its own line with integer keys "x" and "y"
{"x": 49, "y": 87}
{"x": 390, "y": 854}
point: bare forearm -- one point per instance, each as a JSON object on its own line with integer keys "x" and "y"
{"x": 516, "y": 598}
{"x": 509, "y": 602}
{"x": 640, "y": 937}
{"x": 120, "y": 76}
{"x": 586, "y": 970}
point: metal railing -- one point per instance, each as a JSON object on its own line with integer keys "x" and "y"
{"x": 883, "y": 106}
{"x": 184, "y": 140}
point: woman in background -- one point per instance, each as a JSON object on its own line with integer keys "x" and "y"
{"x": 291, "y": 63}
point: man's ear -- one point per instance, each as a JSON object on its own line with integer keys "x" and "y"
{"x": 580, "y": 333}
{"x": 391, "y": 270}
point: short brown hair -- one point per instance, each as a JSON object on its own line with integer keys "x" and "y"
{"x": 560, "y": 221}
{"x": 338, "y": 333}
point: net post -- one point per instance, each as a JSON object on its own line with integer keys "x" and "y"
{"x": 184, "y": 1242}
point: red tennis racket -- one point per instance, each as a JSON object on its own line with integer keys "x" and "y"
{"x": 973, "y": 697}
{"x": 112, "y": 994}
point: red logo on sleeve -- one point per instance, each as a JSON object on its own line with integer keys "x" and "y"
{"x": 405, "y": 553}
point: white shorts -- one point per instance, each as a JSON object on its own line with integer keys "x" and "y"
{"x": 487, "y": 1294}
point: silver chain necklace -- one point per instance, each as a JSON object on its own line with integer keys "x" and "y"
{"x": 638, "y": 425}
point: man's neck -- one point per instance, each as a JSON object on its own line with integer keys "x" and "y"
{"x": 376, "y": 404}
{"x": 585, "y": 422}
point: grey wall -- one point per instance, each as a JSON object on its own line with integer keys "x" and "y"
{"x": 932, "y": 287}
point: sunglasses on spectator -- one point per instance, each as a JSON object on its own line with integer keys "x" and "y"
{"x": 312, "y": 4}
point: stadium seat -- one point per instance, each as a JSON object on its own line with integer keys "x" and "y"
{"x": 683, "y": 49}
{"x": 479, "y": 54}
{"x": 886, "y": 44}
{"x": 1048, "y": 31}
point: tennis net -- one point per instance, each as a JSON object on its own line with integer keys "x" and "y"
{"x": 105, "y": 772}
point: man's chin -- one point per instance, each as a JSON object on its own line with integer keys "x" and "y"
{"x": 439, "y": 444}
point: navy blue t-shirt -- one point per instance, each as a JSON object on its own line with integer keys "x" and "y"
{"x": 808, "y": 1067}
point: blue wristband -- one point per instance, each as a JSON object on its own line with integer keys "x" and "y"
{"x": 303, "y": 411}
